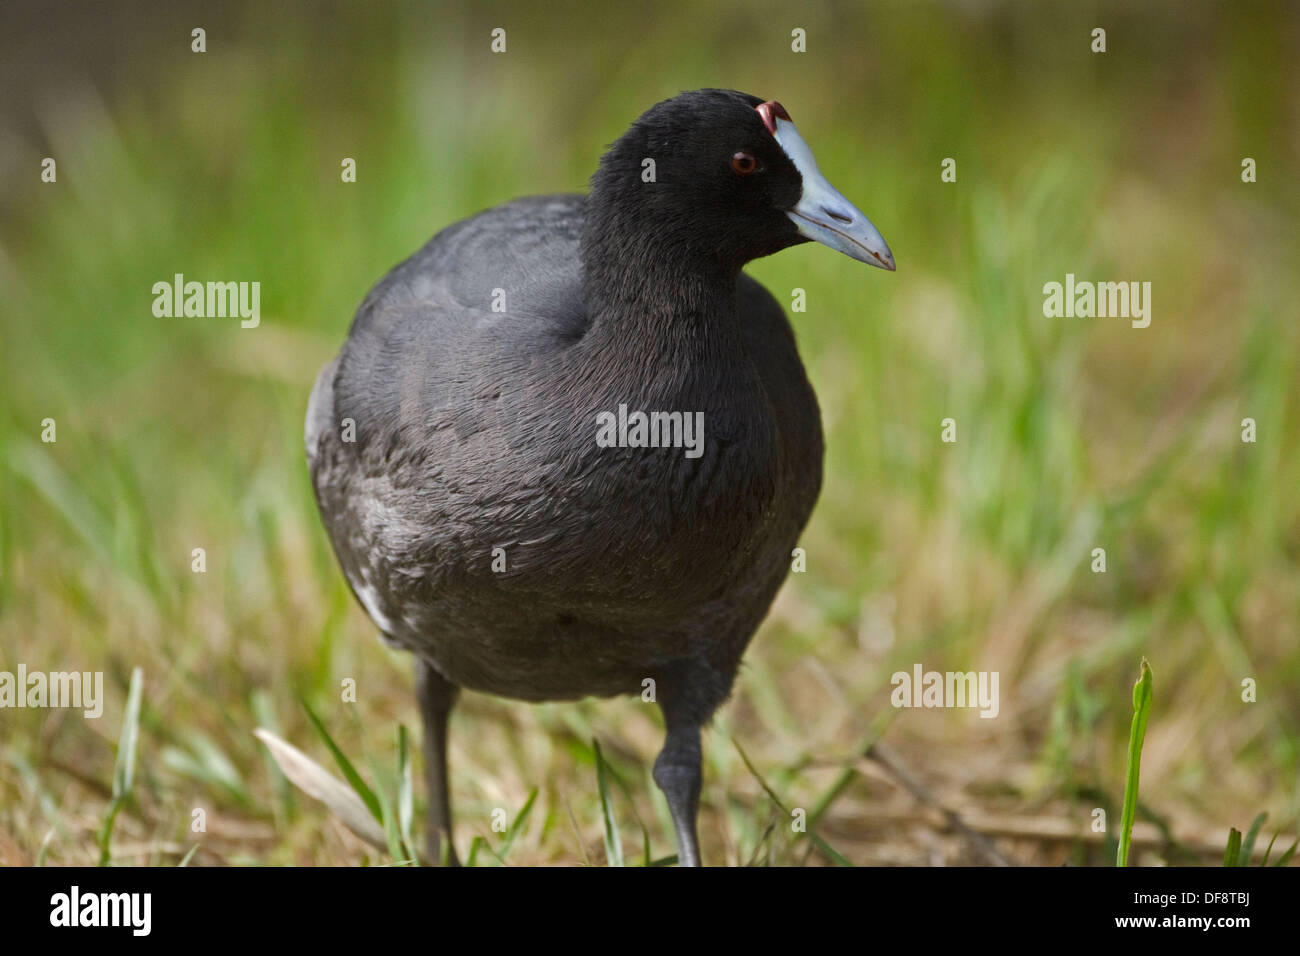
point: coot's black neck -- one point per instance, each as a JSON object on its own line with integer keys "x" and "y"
{"x": 659, "y": 292}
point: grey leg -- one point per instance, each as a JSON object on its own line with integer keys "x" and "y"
{"x": 678, "y": 774}
{"x": 436, "y": 696}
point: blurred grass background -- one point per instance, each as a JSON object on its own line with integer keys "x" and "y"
{"x": 1073, "y": 433}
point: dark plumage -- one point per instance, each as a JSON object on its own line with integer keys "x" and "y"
{"x": 475, "y": 430}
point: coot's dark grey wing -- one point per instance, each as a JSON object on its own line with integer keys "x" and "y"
{"x": 500, "y": 288}
{"x": 411, "y": 398}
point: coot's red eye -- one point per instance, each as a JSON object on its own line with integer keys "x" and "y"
{"x": 744, "y": 163}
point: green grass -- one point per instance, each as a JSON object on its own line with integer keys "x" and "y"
{"x": 1137, "y": 734}
{"x": 124, "y": 771}
{"x": 1072, "y": 434}
{"x": 1241, "y": 850}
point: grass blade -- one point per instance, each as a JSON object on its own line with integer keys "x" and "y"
{"x": 474, "y": 846}
{"x": 613, "y": 842}
{"x": 1248, "y": 844}
{"x": 826, "y": 849}
{"x": 1268, "y": 851}
{"x": 349, "y": 772}
{"x": 1137, "y": 734}
{"x": 520, "y": 818}
{"x": 124, "y": 769}
{"x": 317, "y": 782}
{"x": 388, "y": 816}
{"x": 44, "y": 851}
{"x": 405, "y": 791}
{"x": 631, "y": 802}
{"x": 1285, "y": 858}
{"x": 1232, "y": 853}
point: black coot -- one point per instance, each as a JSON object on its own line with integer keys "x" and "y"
{"x": 568, "y": 446}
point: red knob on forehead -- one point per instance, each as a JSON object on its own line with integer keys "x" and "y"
{"x": 771, "y": 111}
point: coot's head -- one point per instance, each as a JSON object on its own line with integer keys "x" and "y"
{"x": 723, "y": 176}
